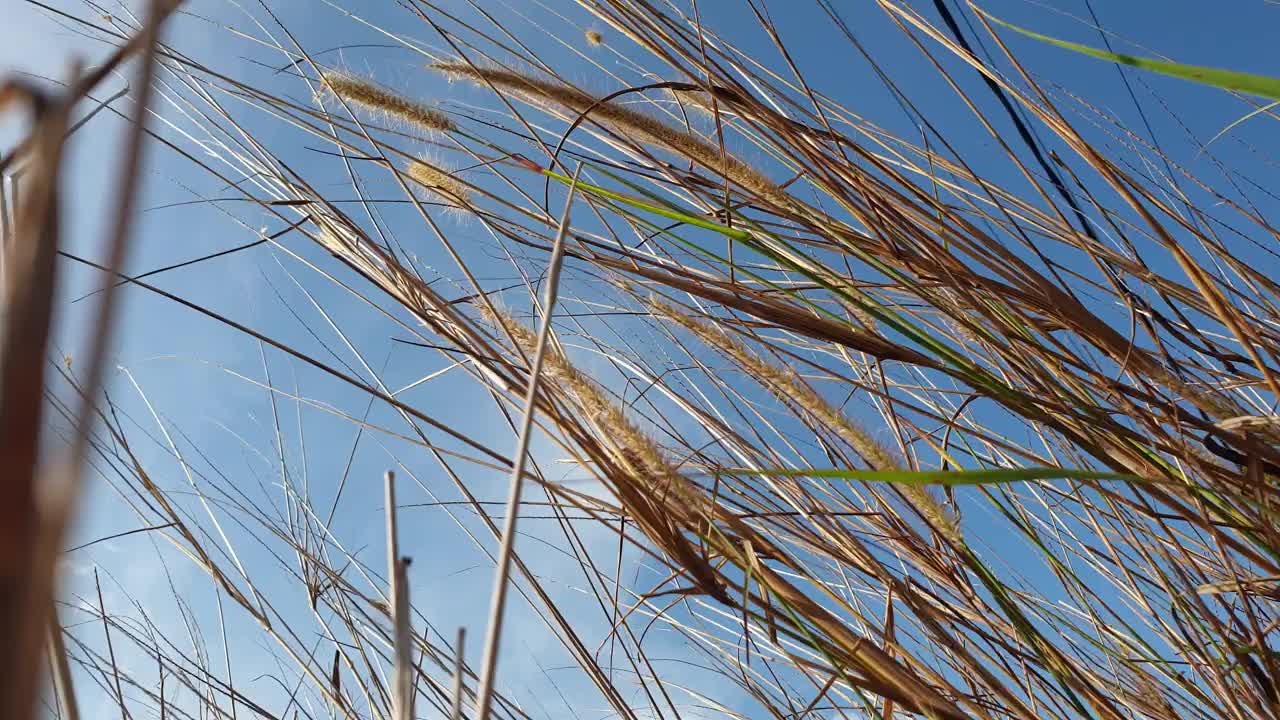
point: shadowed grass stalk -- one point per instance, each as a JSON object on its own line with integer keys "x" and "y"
{"x": 537, "y": 352}
{"x": 459, "y": 675}
{"x": 398, "y": 595}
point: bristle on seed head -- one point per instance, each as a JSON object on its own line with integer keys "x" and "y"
{"x": 369, "y": 96}
{"x": 440, "y": 182}
{"x": 645, "y": 128}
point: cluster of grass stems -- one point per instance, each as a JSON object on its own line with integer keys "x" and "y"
{"x": 864, "y": 366}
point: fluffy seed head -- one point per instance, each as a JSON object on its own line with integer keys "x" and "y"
{"x": 698, "y": 101}
{"x": 633, "y": 448}
{"x": 786, "y": 385}
{"x": 440, "y": 182}
{"x": 637, "y": 125}
{"x": 365, "y": 94}
{"x": 650, "y": 476}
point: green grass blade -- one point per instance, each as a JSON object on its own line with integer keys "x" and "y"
{"x": 1226, "y": 79}
{"x": 655, "y": 209}
{"x": 997, "y": 476}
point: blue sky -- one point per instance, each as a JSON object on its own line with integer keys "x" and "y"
{"x": 200, "y": 377}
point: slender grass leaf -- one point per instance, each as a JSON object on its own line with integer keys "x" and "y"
{"x": 1227, "y": 129}
{"x": 996, "y": 476}
{"x": 1226, "y": 79}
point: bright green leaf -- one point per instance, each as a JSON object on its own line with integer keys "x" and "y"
{"x": 996, "y": 476}
{"x": 1225, "y": 79}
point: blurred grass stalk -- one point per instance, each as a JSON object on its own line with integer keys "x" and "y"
{"x": 39, "y": 499}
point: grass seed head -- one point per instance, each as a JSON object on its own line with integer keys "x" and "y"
{"x": 631, "y": 123}
{"x": 441, "y": 183}
{"x": 369, "y": 96}
{"x": 786, "y": 385}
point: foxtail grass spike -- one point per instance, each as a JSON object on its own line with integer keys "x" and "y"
{"x": 369, "y": 96}
{"x": 631, "y": 123}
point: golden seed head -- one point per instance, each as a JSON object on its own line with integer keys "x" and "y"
{"x": 365, "y": 94}
{"x": 633, "y": 448}
{"x": 440, "y": 182}
{"x": 786, "y": 385}
{"x": 594, "y": 38}
{"x": 637, "y": 125}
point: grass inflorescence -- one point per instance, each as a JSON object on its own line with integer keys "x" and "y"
{"x": 370, "y": 96}
{"x": 442, "y": 183}
{"x": 631, "y": 123}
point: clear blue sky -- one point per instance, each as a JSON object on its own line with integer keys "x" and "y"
{"x": 199, "y": 376}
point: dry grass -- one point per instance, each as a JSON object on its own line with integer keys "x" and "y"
{"x": 365, "y": 94}
{"x": 628, "y": 122}
{"x": 436, "y": 179}
{"x": 763, "y": 378}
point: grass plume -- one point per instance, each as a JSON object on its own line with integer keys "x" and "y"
{"x": 785, "y": 384}
{"x": 442, "y": 183}
{"x": 630, "y": 123}
{"x": 369, "y": 96}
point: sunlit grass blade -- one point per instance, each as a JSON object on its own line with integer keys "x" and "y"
{"x": 997, "y": 476}
{"x": 1237, "y": 122}
{"x": 1262, "y": 85}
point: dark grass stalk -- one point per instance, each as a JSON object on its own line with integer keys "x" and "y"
{"x": 25, "y": 563}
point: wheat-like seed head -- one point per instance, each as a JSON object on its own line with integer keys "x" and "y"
{"x": 656, "y": 495}
{"x": 440, "y": 182}
{"x": 638, "y": 125}
{"x": 371, "y": 97}
{"x": 786, "y": 385}
{"x": 636, "y": 450}
{"x": 700, "y": 102}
